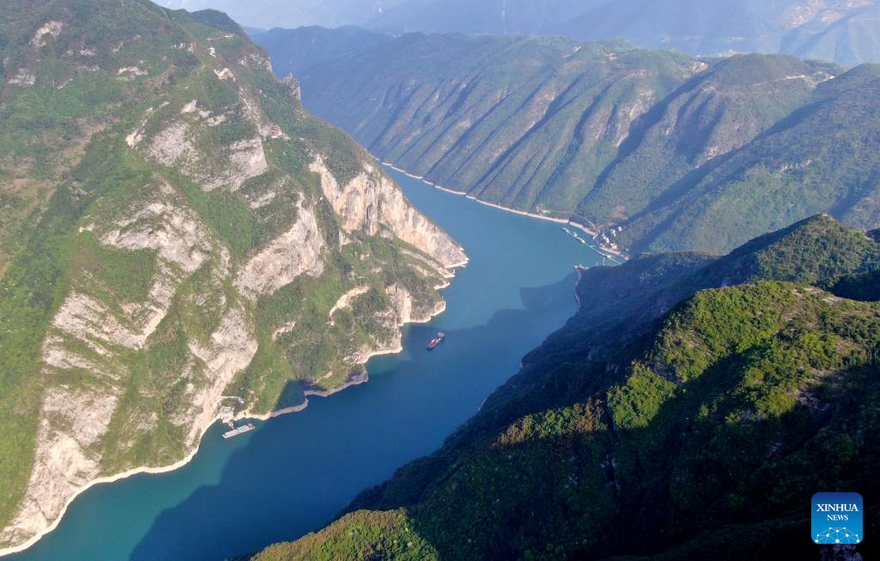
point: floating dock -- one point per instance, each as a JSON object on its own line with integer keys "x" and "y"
{"x": 240, "y": 430}
{"x": 575, "y": 236}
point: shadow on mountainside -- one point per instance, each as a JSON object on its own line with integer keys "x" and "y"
{"x": 561, "y": 484}
{"x": 298, "y": 470}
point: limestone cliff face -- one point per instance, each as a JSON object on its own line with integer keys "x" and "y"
{"x": 295, "y": 252}
{"x": 215, "y": 244}
{"x": 371, "y": 203}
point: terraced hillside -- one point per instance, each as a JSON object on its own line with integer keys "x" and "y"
{"x": 650, "y": 150}
{"x": 181, "y": 242}
{"x": 689, "y": 410}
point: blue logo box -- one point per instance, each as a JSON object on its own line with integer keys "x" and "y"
{"x": 836, "y": 518}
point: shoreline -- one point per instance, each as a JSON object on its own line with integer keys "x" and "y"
{"x": 599, "y": 248}
{"x": 248, "y": 415}
{"x": 102, "y": 481}
{"x": 244, "y": 415}
{"x": 580, "y": 273}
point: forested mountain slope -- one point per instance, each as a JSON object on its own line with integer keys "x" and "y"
{"x": 521, "y": 122}
{"x": 822, "y": 156}
{"x": 169, "y": 256}
{"x": 650, "y": 150}
{"x": 689, "y": 410}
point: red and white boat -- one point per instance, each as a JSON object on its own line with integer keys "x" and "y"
{"x": 436, "y": 341}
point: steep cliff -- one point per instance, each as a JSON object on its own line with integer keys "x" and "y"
{"x": 183, "y": 243}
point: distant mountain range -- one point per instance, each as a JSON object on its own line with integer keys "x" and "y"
{"x": 843, "y": 31}
{"x": 266, "y": 14}
{"x": 296, "y": 50}
{"x": 688, "y": 411}
{"x": 655, "y": 150}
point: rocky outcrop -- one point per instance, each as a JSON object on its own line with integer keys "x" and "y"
{"x": 371, "y": 202}
{"x": 190, "y": 234}
{"x": 175, "y": 146}
{"x": 164, "y": 224}
{"x": 49, "y": 30}
{"x": 346, "y": 299}
{"x": 293, "y": 87}
{"x": 404, "y": 309}
{"x": 296, "y": 252}
{"x": 246, "y": 160}
{"x": 72, "y": 421}
{"x": 230, "y": 349}
{"x": 408, "y": 310}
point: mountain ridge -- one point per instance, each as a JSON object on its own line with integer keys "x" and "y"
{"x": 647, "y": 150}
{"x": 181, "y": 243}
{"x": 706, "y": 429}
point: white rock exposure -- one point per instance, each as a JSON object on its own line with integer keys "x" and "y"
{"x": 171, "y": 230}
{"x": 175, "y": 147}
{"x": 71, "y": 421}
{"x": 231, "y": 348}
{"x": 195, "y": 298}
{"x": 296, "y": 252}
{"x": 371, "y": 202}
{"x": 49, "y": 29}
{"x": 246, "y": 160}
{"x": 346, "y": 299}
{"x": 23, "y": 77}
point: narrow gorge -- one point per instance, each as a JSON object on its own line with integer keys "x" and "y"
{"x": 649, "y": 150}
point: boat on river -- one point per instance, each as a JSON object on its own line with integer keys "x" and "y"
{"x": 436, "y": 341}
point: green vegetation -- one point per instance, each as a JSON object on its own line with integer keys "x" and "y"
{"x": 656, "y": 150}
{"x": 698, "y": 427}
{"x": 363, "y": 535}
{"x": 315, "y": 345}
{"x": 819, "y": 158}
{"x": 127, "y": 274}
{"x": 550, "y": 109}
{"x": 32, "y": 290}
{"x": 139, "y": 182}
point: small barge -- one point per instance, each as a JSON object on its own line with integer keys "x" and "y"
{"x": 237, "y": 431}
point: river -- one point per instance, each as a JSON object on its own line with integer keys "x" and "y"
{"x": 292, "y": 474}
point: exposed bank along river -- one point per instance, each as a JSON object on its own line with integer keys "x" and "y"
{"x": 292, "y": 474}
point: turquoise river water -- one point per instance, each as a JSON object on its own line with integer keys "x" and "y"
{"x": 292, "y": 474}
